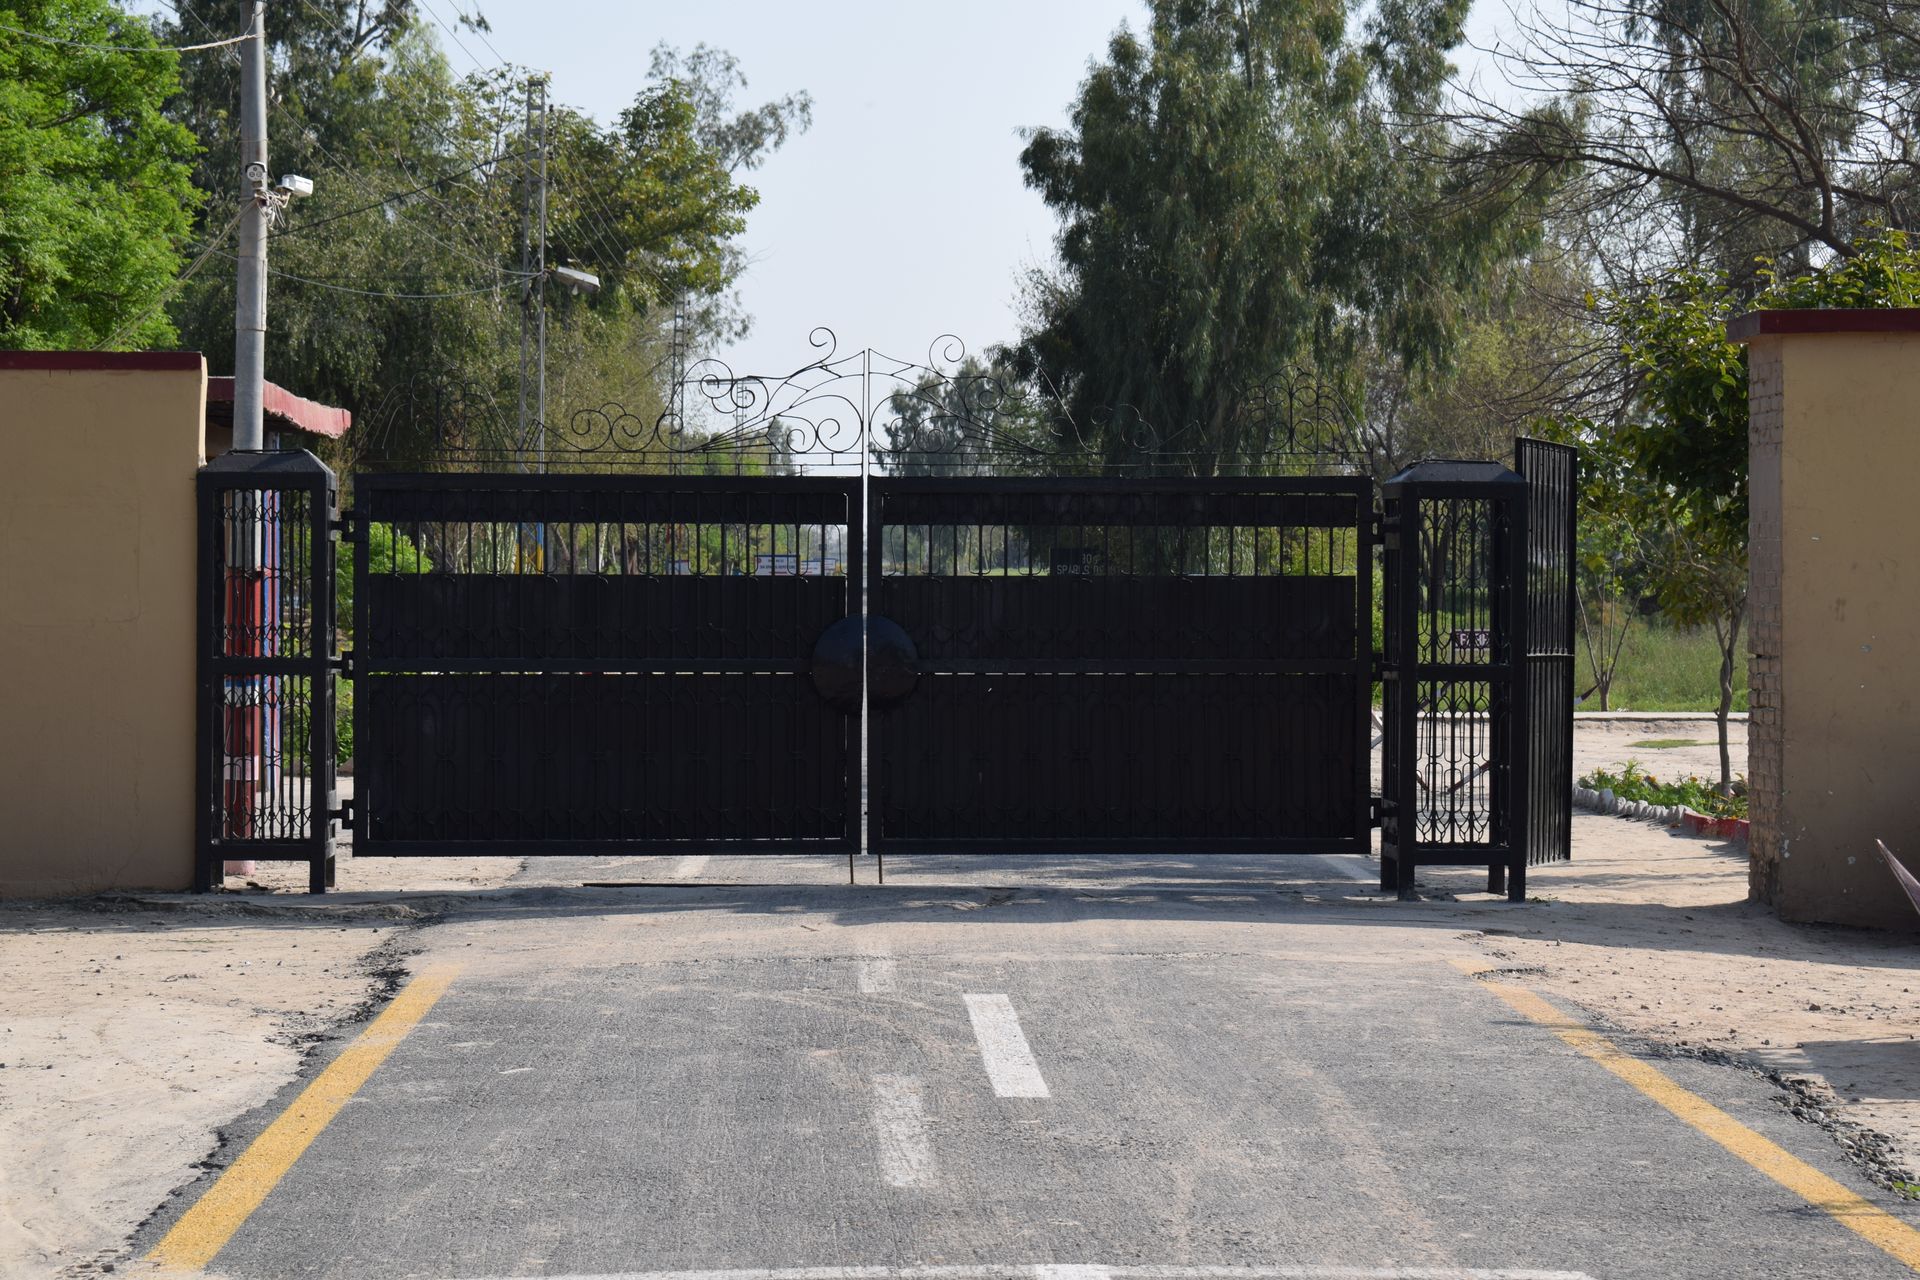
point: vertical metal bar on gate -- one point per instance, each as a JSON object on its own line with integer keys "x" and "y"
{"x": 264, "y": 769}
{"x": 1363, "y": 561}
{"x": 1456, "y": 756}
{"x": 1551, "y": 472}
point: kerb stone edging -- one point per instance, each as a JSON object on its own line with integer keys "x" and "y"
{"x": 1670, "y": 815}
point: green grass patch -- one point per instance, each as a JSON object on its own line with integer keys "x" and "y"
{"x": 1666, "y": 669}
{"x": 1634, "y": 783}
{"x": 1663, "y": 744}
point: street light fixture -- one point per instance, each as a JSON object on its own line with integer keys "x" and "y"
{"x": 584, "y": 282}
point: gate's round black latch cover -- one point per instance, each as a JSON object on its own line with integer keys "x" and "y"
{"x": 892, "y": 662}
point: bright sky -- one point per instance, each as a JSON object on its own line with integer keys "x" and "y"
{"x": 901, "y": 214}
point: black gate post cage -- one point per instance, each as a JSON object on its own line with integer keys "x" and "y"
{"x": 264, "y": 770}
{"x": 1456, "y": 753}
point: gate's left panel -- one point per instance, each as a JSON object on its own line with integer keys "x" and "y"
{"x": 265, "y": 752}
{"x": 554, "y": 664}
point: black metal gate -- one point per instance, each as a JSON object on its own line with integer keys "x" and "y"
{"x": 952, "y": 661}
{"x": 559, "y": 664}
{"x": 1551, "y": 472}
{"x": 1176, "y": 666}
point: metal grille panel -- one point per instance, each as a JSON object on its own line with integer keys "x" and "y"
{"x": 572, "y": 663}
{"x": 1456, "y": 761}
{"x": 1552, "y": 473}
{"x": 1124, "y": 665}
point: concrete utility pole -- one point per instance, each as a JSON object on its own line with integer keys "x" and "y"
{"x": 250, "y": 293}
{"x": 533, "y": 266}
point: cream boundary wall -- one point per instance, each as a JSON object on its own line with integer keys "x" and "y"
{"x": 97, "y": 590}
{"x": 1834, "y": 737}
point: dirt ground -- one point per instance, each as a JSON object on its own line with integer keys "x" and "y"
{"x": 132, "y": 1030}
{"x": 1601, "y": 741}
{"x": 130, "y": 1033}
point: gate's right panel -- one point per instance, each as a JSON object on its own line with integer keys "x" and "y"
{"x": 1168, "y": 666}
{"x": 1552, "y": 473}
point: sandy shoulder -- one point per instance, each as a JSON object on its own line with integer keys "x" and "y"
{"x": 140, "y": 1032}
{"x": 1652, "y": 933}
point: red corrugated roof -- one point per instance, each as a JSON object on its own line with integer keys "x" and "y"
{"x": 284, "y": 410}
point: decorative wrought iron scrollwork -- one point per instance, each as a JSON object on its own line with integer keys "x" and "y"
{"x": 944, "y": 413}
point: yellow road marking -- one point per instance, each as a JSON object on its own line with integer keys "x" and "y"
{"x": 1870, "y": 1222}
{"x": 205, "y": 1228}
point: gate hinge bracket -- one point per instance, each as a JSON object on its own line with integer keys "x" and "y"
{"x": 1377, "y": 525}
{"x": 1376, "y": 809}
{"x": 344, "y": 814}
{"x": 343, "y": 663}
{"x": 1382, "y": 670}
{"x": 347, "y": 525}
{"x": 1386, "y": 529}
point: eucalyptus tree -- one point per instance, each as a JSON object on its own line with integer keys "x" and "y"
{"x": 1244, "y": 187}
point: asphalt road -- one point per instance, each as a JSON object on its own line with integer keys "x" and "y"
{"x": 1083, "y": 1069}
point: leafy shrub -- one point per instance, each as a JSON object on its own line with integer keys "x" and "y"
{"x": 343, "y": 722}
{"x": 1697, "y": 794}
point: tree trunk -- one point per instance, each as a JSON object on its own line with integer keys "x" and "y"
{"x": 1729, "y": 643}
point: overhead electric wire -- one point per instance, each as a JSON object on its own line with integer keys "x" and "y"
{"x": 396, "y": 51}
{"x": 597, "y": 222}
{"x": 599, "y": 235}
{"x": 477, "y": 30}
{"x": 495, "y": 287}
{"x": 401, "y": 195}
{"x": 455, "y": 37}
{"x": 335, "y": 287}
{"x": 127, "y": 48}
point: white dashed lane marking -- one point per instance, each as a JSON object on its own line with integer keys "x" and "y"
{"x": 1004, "y": 1049}
{"x": 878, "y": 975}
{"x": 691, "y": 866}
{"x": 900, "y": 1122}
{"x": 1349, "y": 865}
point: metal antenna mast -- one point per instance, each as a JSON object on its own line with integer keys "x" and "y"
{"x": 533, "y": 266}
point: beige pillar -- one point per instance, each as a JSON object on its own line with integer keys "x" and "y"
{"x": 97, "y": 584}
{"x": 1834, "y": 739}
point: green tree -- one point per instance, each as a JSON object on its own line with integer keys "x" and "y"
{"x": 1243, "y": 187}
{"x": 970, "y": 422}
{"x": 1616, "y": 506}
{"x": 397, "y": 289}
{"x": 1719, "y": 130}
{"x": 96, "y": 201}
{"x": 1686, "y": 437}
